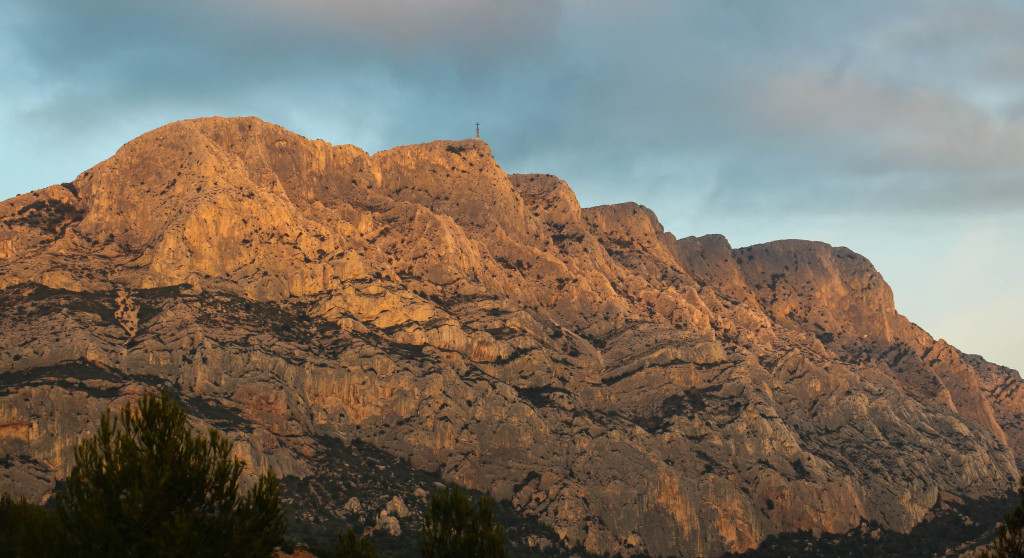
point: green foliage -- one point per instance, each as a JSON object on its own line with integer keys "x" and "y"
{"x": 27, "y": 530}
{"x": 950, "y": 529}
{"x": 351, "y": 545}
{"x": 49, "y": 215}
{"x": 454, "y": 527}
{"x": 1009, "y": 542}
{"x": 146, "y": 485}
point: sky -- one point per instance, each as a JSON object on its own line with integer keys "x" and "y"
{"x": 895, "y": 128}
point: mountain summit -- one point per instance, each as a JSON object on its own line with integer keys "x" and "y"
{"x": 421, "y": 310}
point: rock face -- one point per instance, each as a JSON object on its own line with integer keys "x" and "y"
{"x": 634, "y": 391}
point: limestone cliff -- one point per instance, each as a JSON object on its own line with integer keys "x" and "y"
{"x": 634, "y": 391}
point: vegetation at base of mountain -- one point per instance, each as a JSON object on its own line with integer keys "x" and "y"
{"x": 146, "y": 485}
{"x": 351, "y": 545}
{"x": 362, "y": 465}
{"x": 357, "y": 469}
{"x": 456, "y": 527}
{"x": 961, "y": 528}
{"x": 30, "y": 531}
{"x": 343, "y": 470}
{"x": 1009, "y": 542}
{"x": 406, "y": 543}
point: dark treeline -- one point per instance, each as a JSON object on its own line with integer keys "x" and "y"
{"x": 145, "y": 484}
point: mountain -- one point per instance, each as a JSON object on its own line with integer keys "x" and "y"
{"x": 389, "y": 321}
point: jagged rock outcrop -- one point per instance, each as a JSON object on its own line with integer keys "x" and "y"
{"x": 634, "y": 391}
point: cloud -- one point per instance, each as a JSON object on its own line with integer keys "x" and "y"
{"x": 946, "y": 40}
{"x": 758, "y": 120}
{"x": 890, "y": 126}
{"x": 801, "y": 105}
{"x": 461, "y": 28}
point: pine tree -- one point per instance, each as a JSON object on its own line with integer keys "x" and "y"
{"x": 453, "y": 527}
{"x": 351, "y": 545}
{"x": 1010, "y": 540}
{"x": 29, "y": 531}
{"x": 146, "y": 485}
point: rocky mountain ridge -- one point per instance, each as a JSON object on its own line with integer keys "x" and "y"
{"x": 633, "y": 391}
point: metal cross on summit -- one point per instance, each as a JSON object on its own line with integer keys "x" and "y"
{"x": 477, "y": 130}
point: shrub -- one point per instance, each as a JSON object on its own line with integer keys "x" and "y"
{"x": 455, "y": 527}
{"x": 351, "y": 545}
{"x": 29, "y": 531}
{"x": 1009, "y": 542}
{"x": 146, "y": 485}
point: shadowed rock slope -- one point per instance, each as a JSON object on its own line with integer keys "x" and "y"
{"x": 633, "y": 391}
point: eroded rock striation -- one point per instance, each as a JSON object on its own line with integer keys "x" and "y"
{"x": 633, "y": 391}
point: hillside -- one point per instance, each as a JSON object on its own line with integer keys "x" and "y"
{"x": 632, "y": 391}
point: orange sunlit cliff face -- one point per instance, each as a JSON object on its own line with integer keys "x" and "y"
{"x": 422, "y": 311}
